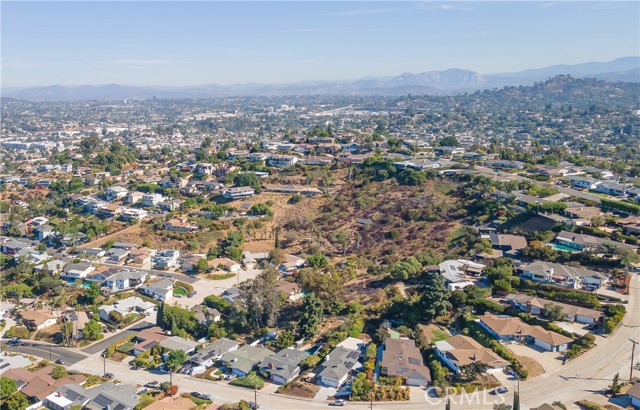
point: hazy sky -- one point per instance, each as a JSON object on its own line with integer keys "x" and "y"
{"x": 181, "y": 43}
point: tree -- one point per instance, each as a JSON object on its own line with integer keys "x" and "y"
{"x": 174, "y": 326}
{"x": 310, "y": 361}
{"x": 615, "y": 386}
{"x": 435, "y": 299}
{"x": 516, "y": 400}
{"x": 553, "y": 312}
{"x": 17, "y": 401}
{"x": 175, "y": 358}
{"x": 261, "y": 299}
{"x": 202, "y": 265}
{"x": 285, "y": 339}
{"x": 501, "y": 406}
{"x": 450, "y": 141}
{"x": 92, "y": 330}
{"x": 7, "y": 387}
{"x": 58, "y": 372}
{"x": 318, "y": 261}
{"x": 160, "y": 316}
{"x": 311, "y": 318}
{"x": 91, "y": 293}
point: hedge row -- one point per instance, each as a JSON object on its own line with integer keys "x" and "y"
{"x": 620, "y": 206}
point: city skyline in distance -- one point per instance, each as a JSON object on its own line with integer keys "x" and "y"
{"x": 195, "y": 43}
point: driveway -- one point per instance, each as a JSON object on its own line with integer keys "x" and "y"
{"x": 324, "y": 393}
{"x": 550, "y": 361}
{"x": 206, "y": 287}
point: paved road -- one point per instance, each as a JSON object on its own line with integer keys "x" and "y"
{"x": 103, "y": 344}
{"x": 46, "y": 351}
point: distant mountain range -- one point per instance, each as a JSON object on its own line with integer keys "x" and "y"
{"x": 451, "y": 81}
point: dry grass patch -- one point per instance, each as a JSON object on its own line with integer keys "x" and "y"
{"x": 299, "y": 389}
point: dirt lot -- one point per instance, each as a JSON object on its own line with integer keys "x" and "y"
{"x": 300, "y": 389}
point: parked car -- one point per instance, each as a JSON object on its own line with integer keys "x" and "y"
{"x": 109, "y": 375}
{"x": 338, "y": 402}
{"x": 152, "y": 385}
{"x": 196, "y": 394}
{"x": 253, "y": 406}
{"x": 136, "y": 367}
{"x": 59, "y": 361}
{"x": 230, "y": 377}
{"x": 14, "y": 340}
{"x": 501, "y": 390}
{"x": 192, "y": 294}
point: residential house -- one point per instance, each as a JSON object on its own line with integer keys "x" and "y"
{"x": 510, "y": 245}
{"x": 110, "y": 210}
{"x": 460, "y": 350}
{"x": 207, "y": 356}
{"x": 455, "y": 272}
{"x": 291, "y": 263}
{"x": 92, "y": 253}
{"x": 282, "y": 161}
{"x": 113, "y": 193}
{"x": 131, "y": 214}
{"x": 612, "y": 188}
{"x": 39, "y": 384}
{"x": 505, "y": 164}
{"x": 535, "y": 306}
{"x": 242, "y": 360}
{"x": 226, "y": 264}
{"x": 582, "y": 215}
{"x": 147, "y": 339}
{"x": 161, "y": 290}
{"x": 152, "y": 200}
{"x": 231, "y": 294}
{"x": 293, "y": 189}
{"x": 166, "y": 259}
{"x": 206, "y": 315}
{"x": 171, "y": 205}
{"x": 43, "y": 231}
{"x": 402, "y": 358}
{"x": 179, "y": 343}
{"x": 337, "y": 366}
{"x": 238, "y": 192}
{"x": 284, "y": 366}
{"x": 54, "y": 267}
{"x": 563, "y": 275}
{"x": 110, "y": 395}
{"x": 37, "y": 319}
{"x": 125, "y": 279}
{"x": 134, "y": 198}
{"x": 178, "y": 224}
{"x": 585, "y": 182}
{"x": 117, "y": 255}
{"x": 78, "y": 270}
{"x": 141, "y": 256}
{"x": 634, "y": 395}
{"x": 582, "y": 242}
{"x": 189, "y": 262}
{"x": 507, "y": 328}
{"x": 291, "y": 290}
{"x": 132, "y": 304}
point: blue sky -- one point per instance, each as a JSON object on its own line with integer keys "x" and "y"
{"x": 189, "y": 43}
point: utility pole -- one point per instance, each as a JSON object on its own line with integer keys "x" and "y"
{"x": 255, "y": 395}
{"x": 633, "y": 351}
{"x": 104, "y": 363}
{"x": 49, "y": 350}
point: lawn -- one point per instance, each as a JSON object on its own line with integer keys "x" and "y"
{"x": 250, "y": 381}
{"x": 125, "y": 347}
{"x": 434, "y": 333}
{"x": 179, "y": 291}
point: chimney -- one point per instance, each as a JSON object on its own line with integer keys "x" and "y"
{"x": 551, "y": 271}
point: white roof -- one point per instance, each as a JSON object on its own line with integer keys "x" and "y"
{"x": 352, "y": 343}
{"x": 59, "y": 400}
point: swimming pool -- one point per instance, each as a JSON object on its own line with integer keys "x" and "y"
{"x": 563, "y": 248}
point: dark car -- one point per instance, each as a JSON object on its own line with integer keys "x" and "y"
{"x": 253, "y": 406}
{"x": 59, "y": 361}
{"x": 109, "y": 375}
{"x": 136, "y": 367}
{"x": 192, "y": 294}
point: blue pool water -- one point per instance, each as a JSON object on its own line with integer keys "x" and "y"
{"x": 563, "y": 248}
